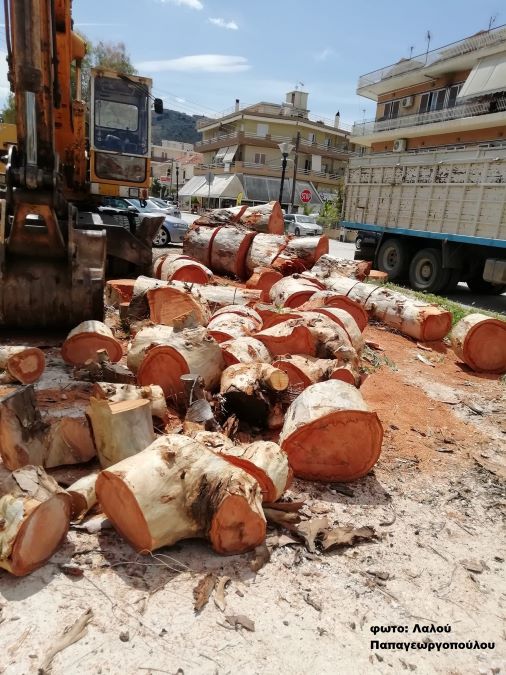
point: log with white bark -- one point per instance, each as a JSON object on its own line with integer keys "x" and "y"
{"x": 241, "y": 310}
{"x": 229, "y": 250}
{"x": 262, "y": 218}
{"x": 272, "y": 315}
{"x": 480, "y": 341}
{"x": 263, "y": 279}
{"x": 329, "y": 267}
{"x": 330, "y": 434}
{"x": 420, "y": 320}
{"x": 289, "y": 337}
{"x": 167, "y": 306}
{"x": 332, "y": 341}
{"x": 83, "y": 496}
{"x": 264, "y": 250}
{"x": 178, "y": 489}
{"x": 186, "y": 270}
{"x": 118, "y": 291}
{"x": 251, "y": 390}
{"x": 115, "y": 393}
{"x": 244, "y": 350}
{"x": 346, "y": 321}
{"x": 25, "y": 438}
{"x": 334, "y": 299}
{"x": 120, "y": 429}
{"x": 167, "y": 258}
{"x": 377, "y": 277}
{"x": 346, "y": 372}
{"x": 35, "y": 517}
{"x": 198, "y": 243}
{"x": 86, "y": 339}
{"x": 303, "y": 371}
{"x": 21, "y": 364}
{"x": 293, "y": 291}
{"x": 230, "y": 326}
{"x": 304, "y": 251}
{"x": 161, "y": 354}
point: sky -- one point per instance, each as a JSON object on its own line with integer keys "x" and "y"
{"x": 203, "y": 54}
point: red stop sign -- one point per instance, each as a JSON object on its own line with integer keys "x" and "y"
{"x": 305, "y": 196}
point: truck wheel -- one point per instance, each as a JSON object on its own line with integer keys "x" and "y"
{"x": 426, "y": 271}
{"x": 479, "y": 285}
{"x": 393, "y": 258}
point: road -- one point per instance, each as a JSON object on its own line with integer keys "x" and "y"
{"x": 463, "y": 295}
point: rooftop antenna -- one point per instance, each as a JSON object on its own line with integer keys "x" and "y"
{"x": 411, "y": 51}
{"x": 297, "y": 84}
{"x": 491, "y": 21}
{"x": 428, "y": 37}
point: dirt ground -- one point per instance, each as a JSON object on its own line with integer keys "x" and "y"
{"x": 435, "y": 500}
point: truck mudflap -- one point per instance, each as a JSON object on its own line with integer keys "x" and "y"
{"x": 495, "y": 271}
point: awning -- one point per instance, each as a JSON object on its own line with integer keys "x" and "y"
{"x": 225, "y": 186}
{"x": 230, "y": 154}
{"x": 265, "y": 189}
{"x": 220, "y": 154}
{"x": 487, "y": 77}
{"x": 193, "y": 184}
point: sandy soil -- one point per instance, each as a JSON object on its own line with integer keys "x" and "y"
{"x": 439, "y": 556}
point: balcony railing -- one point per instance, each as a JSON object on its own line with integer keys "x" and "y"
{"x": 369, "y": 127}
{"x": 248, "y": 138}
{"x": 268, "y": 169}
{"x": 470, "y": 44}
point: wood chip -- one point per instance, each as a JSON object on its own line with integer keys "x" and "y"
{"x": 262, "y": 557}
{"x": 202, "y": 591}
{"x": 71, "y": 634}
{"x": 241, "y": 621}
{"x": 424, "y": 347}
{"x": 346, "y": 536}
{"x": 71, "y": 570}
{"x": 473, "y": 566}
{"x": 281, "y": 517}
{"x": 426, "y": 361}
{"x": 284, "y": 506}
{"x": 219, "y": 593}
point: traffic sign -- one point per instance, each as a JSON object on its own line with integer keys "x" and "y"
{"x": 305, "y": 196}
{"x": 165, "y": 179}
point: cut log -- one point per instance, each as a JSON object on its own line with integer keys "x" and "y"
{"x": 178, "y": 489}
{"x": 185, "y": 269}
{"x": 264, "y": 250}
{"x": 21, "y": 364}
{"x": 244, "y": 350}
{"x": 160, "y": 355}
{"x": 241, "y": 310}
{"x": 334, "y": 299}
{"x": 230, "y": 326}
{"x": 329, "y": 267}
{"x": 229, "y": 250}
{"x": 120, "y": 429}
{"x": 332, "y": 341}
{"x": 293, "y": 291}
{"x": 102, "y": 370}
{"x": 272, "y": 315}
{"x": 25, "y": 438}
{"x": 250, "y": 390}
{"x": 115, "y": 393}
{"x": 305, "y": 250}
{"x": 348, "y": 373}
{"x": 346, "y": 321}
{"x": 167, "y": 306}
{"x": 410, "y": 316}
{"x": 85, "y": 340}
{"x": 262, "y": 218}
{"x": 263, "y": 279}
{"x": 221, "y": 296}
{"x": 35, "y": 517}
{"x": 167, "y": 257}
{"x": 198, "y": 243}
{"x": 290, "y": 337}
{"x": 82, "y": 495}
{"x": 377, "y": 277}
{"x": 480, "y": 341}
{"x": 329, "y": 433}
{"x": 118, "y": 291}
{"x": 303, "y": 371}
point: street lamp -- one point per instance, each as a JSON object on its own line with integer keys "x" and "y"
{"x": 285, "y": 149}
{"x": 177, "y": 183}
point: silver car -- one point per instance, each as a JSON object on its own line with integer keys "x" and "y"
{"x": 171, "y": 209}
{"x": 300, "y": 225}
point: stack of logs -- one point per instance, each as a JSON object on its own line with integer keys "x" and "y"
{"x": 278, "y": 358}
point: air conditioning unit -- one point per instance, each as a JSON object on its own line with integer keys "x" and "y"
{"x": 407, "y": 102}
{"x": 400, "y": 145}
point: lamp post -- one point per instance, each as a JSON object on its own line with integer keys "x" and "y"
{"x": 285, "y": 149}
{"x": 177, "y": 183}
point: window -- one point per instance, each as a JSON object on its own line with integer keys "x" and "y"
{"x": 262, "y": 129}
{"x": 311, "y": 138}
{"x": 391, "y": 110}
{"x": 453, "y": 92}
{"x": 259, "y": 158}
{"x": 307, "y": 165}
{"x": 440, "y": 99}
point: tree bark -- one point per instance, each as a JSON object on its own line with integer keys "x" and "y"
{"x": 244, "y": 350}
{"x": 198, "y": 243}
{"x": 262, "y": 218}
{"x": 83, "y": 496}
{"x": 329, "y": 433}
{"x": 272, "y": 315}
{"x": 304, "y": 250}
{"x": 120, "y": 429}
{"x": 263, "y": 279}
{"x": 293, "y": 291}
{"x": 348, "y": 373}
{"x": 264, "y": 250}
{"x": 118, "y": 291}
{"x": 86, "y": 339}
{"x": 480, "y": 341}
{"x": 230, "y": 326}
{"x": 186, "y": 270}
{"x": 178, "y": 489}
{"x": 332, "y": 341}
{"x": 290, "y": 337}
{"x": 229, "y": 250}
{"x": 303, "y": 371}
{"x": 166, "y": 258}
{"x": 241, "y": 310}
{"x": 21, "y": 364}
{"x": 329, "y": 267}
{"x": 346, "y": 321}
{"x": 35, "y": 517}
{"x": 115, "y": 393}
{"x": 333, "y": 299}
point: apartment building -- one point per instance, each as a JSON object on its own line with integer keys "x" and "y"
{"x": 241, "y": 148}
{"x": 173, "y": 160}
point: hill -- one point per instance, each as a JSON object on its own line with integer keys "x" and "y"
{"x": 175, "y": 126}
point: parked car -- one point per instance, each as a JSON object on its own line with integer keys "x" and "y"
{"x": 171, "y": 232}
{"x": 300, "y": 225}
{"x": 169, "y": 206}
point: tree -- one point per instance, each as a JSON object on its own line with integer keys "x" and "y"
{"x": 8, "y": 112}
{"x": 156, "y": 187}
{"x": 330, "y": 213}
{"x": 109, "y": 55}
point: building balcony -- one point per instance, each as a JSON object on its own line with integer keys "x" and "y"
{"x": 273, "y": 170}
{"x": 465, "y": 117}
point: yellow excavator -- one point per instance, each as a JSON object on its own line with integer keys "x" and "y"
{"x": 54, "y": 239}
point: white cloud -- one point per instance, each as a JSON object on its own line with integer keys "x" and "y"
{"x": 221, "y": 23}
{"x": 324, "y": 54}
{"x": 206, "y": 63}
{"x": 192, "y": 4}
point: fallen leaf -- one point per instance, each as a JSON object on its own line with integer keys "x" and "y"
{"x": 71, "y": 570}
{"x": 219, "y": 593}
{"x": 202, "y": 591}
{"x": 240, "y": 620}
{"x": 346, "y": 536}
{"x": 262, "y": 557}
{"x": 424, "y": 360}
{"x": 281, "y": 517}
{"x": 285, "y": 540}
{"x": 309, "y": 531}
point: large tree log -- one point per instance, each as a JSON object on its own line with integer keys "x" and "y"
{"x": 329, "y": 433}
{"x": 21, "y": 364}
{"x": 262, "y": 218}
{"x": 86, "y": 339}
{"x": 116, "y": 393}
{"x": 293, "y": 291}
{"x": 244, "y": 350}
{"x": 480, "y": 341}
{"x": 251, "y": 390}
{"x": 230, "y": 326}
{"x": 332, "y": 341}
{"x": 178, "y": 489}
{"x": 83, "y": 496}
{"x": 346, "y": 321}
{"x": 334, "y": 299}
{"x": 348, "y": 373}
{"x": 303, "y": 371}
{"x": 167, "y": 257}
{"x": 329, "y": 267}
{"x": 289, "y": 337}
{"x": 120, "y": 429}
{"x": 272, "y": 315}
{"x": 241, "y": 310}
{"x": 264, "y": 250}
{"x": 25, "y": 438}
{"x": 410, "y": 316}
{"x": 229, "y": 250}
{"x": 198, "y": 243}
{"x": 35, "y": 517}
{"x": 168, "y": 305}
{"x": 160, "y": 355}
{"x": 304, "y": 250}
{"x": 185, "y": 269}
{"x": 263, "y": 279}
{"x": 118, "y": 291}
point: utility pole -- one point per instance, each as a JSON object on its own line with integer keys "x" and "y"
{"x": 177, "y": 183}
{"x": 295, "y": 163}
